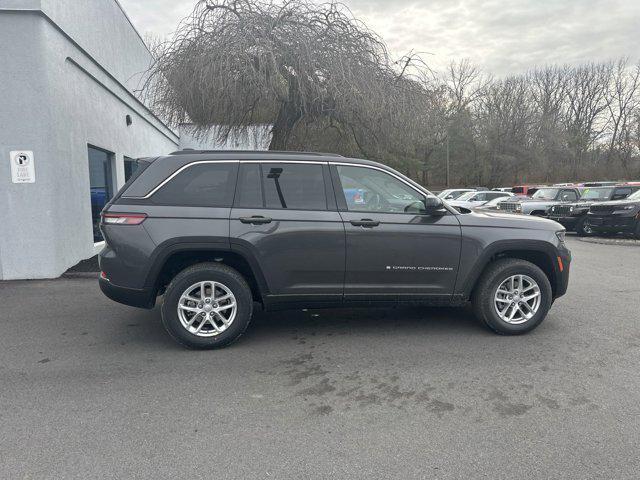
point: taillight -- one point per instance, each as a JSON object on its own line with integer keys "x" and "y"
{"x": 123, "y": 218}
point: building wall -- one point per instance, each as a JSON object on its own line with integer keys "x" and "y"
{"x": 57, "y": 98}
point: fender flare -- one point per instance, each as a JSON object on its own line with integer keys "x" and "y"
{"x": 165, "y": 250}
{"x": 502, "y": 246}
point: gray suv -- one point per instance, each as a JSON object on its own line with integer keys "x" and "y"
{"x": 541, "y": 201}
{"x": 217, "y": 233}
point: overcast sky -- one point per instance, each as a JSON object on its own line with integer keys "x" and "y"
{"x": 501, "y": 36}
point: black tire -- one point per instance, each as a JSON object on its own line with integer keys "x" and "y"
{"x": 492, "y": 277}
{"x": 213, "y": 272}
{"x": 583, "y": 229}
{"x": 636, "y": 234}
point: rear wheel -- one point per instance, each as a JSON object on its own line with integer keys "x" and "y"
{"x": 512, "y": 297}
{"x": 637, "y": 230}
{"x": 583, "y": 229}
{"x": 208, "y": 305}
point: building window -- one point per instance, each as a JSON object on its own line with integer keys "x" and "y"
{"x": 130, "y": 166}
{"x": 101, "y": 183}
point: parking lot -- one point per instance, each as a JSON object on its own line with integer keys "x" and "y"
{"x": 95, "y": 389}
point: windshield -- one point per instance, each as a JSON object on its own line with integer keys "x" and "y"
{"x": 634, "y": 196}
{"x": 496, "y": 201}
{"x": 596, "y": 194}
{"x": 546, "y": 194}
{"x": 466, "y": 196}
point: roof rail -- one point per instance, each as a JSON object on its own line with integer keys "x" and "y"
{"x": 268, "y": 152}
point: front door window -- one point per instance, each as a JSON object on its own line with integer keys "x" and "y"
{"x": 369, "y": 190}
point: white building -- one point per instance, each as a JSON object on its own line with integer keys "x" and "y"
{"x": 68, "y": 70}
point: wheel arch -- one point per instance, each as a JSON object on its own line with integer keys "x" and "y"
{"x": 171, "y": 259}
{"x": 540, "y": 253}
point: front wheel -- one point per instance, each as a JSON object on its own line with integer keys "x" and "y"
{"x": 208, "y": 305}
{"x": 583, "y": 229}
{"x": 512, "y": 297}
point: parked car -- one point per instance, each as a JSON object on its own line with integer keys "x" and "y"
{"x": 491, "y": 204}
{"x": 215, "y": 232}
{"x": 619, "y": 216}
{"x": 453, "y": 193}
{"x": 573, "y": 216}
{"x": 525, "y": 190}
{"x": 539, "y": 202}
{"x": 599, "y": 184}
{"x": 476, "y": 199}
{"x": 502, "y": 189}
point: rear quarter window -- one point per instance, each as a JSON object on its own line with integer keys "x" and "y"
{"x": 201, "y": 185}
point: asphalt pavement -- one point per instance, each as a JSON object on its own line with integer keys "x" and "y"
{"x": 93, "y": 389}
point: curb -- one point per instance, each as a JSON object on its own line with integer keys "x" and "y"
{"x": 92, "y": 275}
{"x": 611, "y": 241}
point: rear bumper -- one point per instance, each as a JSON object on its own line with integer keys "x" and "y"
{"x": 141, "y": 298}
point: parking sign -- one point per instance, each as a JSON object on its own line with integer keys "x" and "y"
{"x": 22, "y": 166}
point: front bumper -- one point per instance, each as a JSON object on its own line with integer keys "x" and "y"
{"x": 567, "y": 222}
{"x": 141, "y": 298}
{"x": 612, "y": 223}
{"x": 562, "y": 273}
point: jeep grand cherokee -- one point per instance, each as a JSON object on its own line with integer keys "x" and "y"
{"x": 214, "y": 233}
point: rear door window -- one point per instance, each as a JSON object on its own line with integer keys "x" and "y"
{"x": 294, "y": 186}
{"x": 249, "y": 190}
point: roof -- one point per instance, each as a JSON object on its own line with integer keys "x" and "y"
{"x": 190, "y": 151}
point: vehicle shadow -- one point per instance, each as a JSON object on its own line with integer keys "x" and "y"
{"x": 145, "y": 327}
{"x": 363, "y": 323}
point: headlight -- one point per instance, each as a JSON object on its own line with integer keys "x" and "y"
{"x": 628, "y": 207}
{"x": 560, "y": 235}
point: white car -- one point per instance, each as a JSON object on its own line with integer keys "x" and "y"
{"x": 476, "y": 199}
{"x": 454, "y": 193}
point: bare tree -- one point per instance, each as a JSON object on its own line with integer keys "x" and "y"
{"x": 587, "y": 100}
{"x": 623, "y": 102}
{"x": 320, "y": 79}
{"x": 291, "y": 64}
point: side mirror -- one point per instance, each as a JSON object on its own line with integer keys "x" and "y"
{"x": 433, "y": 206}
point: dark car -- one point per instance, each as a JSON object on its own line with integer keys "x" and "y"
{"x": 216, "y": 233}
{"x": 540, "y": 201}
{"x": 574, "y": 215}
{"x": 620, "y": 216}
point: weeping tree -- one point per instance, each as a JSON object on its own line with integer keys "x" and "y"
{"x": 308, "y": 70}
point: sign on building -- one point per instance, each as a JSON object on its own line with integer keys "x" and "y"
{"x": 23, "y": 169}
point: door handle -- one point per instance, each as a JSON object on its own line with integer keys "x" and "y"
{"x": 255, "y": 220}
{"x": 365, "y": 222}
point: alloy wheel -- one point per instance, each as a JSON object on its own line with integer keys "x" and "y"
{"x": 517, "y": 299}
{"x": 207, "y": 308}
